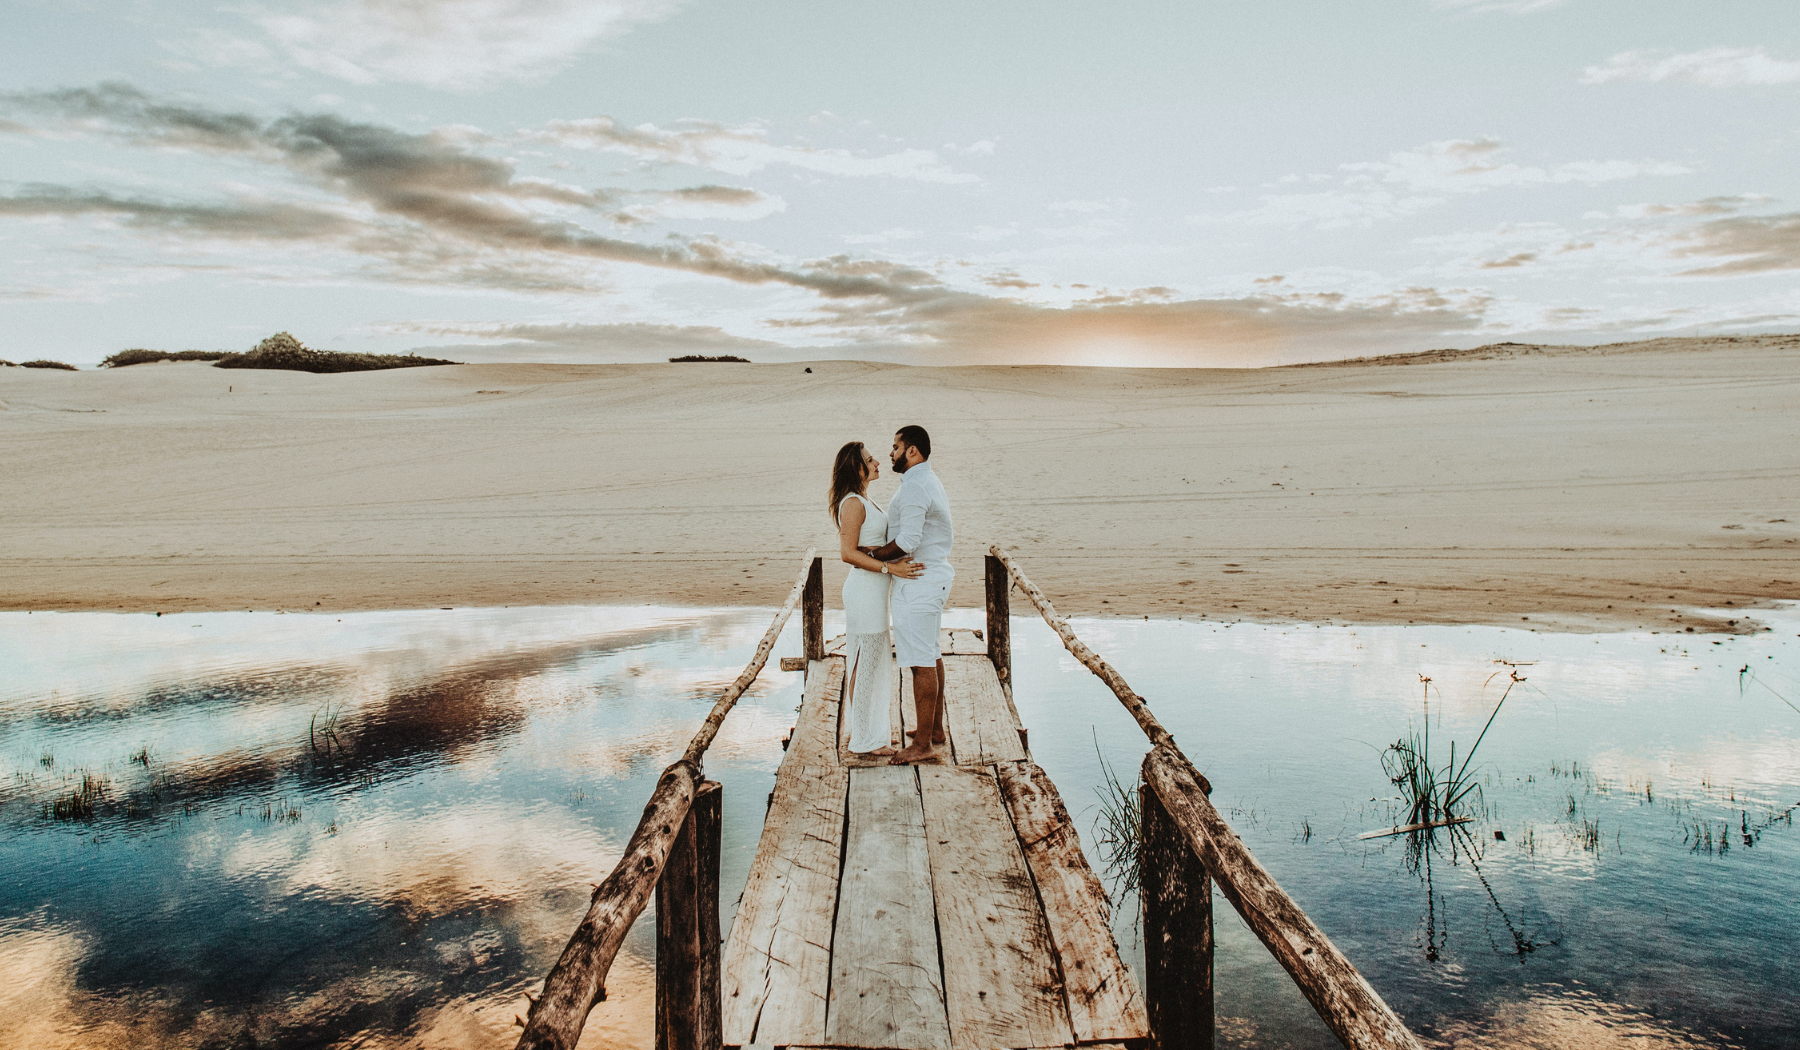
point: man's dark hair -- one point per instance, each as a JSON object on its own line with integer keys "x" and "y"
{"x": 914, "y": 435}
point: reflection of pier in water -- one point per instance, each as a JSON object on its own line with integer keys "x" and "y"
{"x": 944, "y": 906}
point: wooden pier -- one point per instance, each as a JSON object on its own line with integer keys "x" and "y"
{"x": 943, "y": 906}
{"x": 937, "y": 907}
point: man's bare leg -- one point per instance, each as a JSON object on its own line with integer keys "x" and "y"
{"x": 926, "y": 702}
{"x": 937, "y": 728}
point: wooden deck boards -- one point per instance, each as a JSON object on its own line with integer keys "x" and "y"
{"x": 941, "y": 906}
{"x": 887, "y": 985}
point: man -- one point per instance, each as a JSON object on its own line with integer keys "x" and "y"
{"x": 919, "y": 525}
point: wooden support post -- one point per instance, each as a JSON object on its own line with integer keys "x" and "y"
{"x": 999, "y": 622}
{"x": 1178, "y": 933}
{"x": 688, "y": 1006}
{"x": 1343, "y": 998}
{"x": 812, "y": 611}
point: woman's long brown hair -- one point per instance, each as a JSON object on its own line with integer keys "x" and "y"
{"x": 846, "y": 475}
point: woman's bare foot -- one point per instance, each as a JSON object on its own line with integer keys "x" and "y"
{"x": 912, "y": 753}
{"x": 880, "y": 752}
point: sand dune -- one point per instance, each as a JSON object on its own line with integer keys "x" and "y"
{"x": 1617, "y": 486}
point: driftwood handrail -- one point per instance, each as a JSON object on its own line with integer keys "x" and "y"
{"x": 1103, "y": 670}
{"x": 1352, "y": 1009}
{"x": 578, "y": 980}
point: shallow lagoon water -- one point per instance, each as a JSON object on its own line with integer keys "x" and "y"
{"x": 378, "y": 829}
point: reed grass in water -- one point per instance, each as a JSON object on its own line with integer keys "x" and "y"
{"x": 1119, "y": 830}
{"x": 1435, "y": 794}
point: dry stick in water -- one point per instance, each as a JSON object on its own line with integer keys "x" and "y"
{"x": 578, "y": 979}
{"x": 1133, "y": 702}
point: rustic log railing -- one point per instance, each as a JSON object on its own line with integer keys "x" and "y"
{"x": 674, "y": 853}
{"x": 1186, "y": 845}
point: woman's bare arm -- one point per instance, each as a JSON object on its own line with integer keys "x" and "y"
{"x": 850, "y": 522}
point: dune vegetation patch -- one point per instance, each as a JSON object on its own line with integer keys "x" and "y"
{"x": 689, "y": 358}
{"x": 45, "y": 363}
{"x": 146, "y": 357}
{"x": 283, "y": 351}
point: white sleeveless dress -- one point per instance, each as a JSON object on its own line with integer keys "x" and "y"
{"x": 867, "y": 647}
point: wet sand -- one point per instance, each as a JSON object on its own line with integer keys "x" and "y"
{"x": 1613, "y": 487}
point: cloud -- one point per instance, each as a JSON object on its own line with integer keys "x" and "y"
{"x": 422, "y": 200}
{"x": 736, "y": 150}
{"x": 430, "y": 209}
{"x": 1511, "y": 7}
{"x": 581, "y": 342}
{"x": 1411, "y": 181}
{"x": 245, "y": 219}
{"x": 1750, "y": 244}
{"x": 459, "y": 45}
{"x": 1712, "y": 67}
{"x": 1475, "y": 165}
{"x": 896, "y": 233}
{"x": 1081, "y": 207}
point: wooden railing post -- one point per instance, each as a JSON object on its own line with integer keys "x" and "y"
{"x": 999, "y": 622}
{"x": 1345, "y": 1001}
{"x": 812, "y": 611}
{"x": 1178, "y": 933}
{"x": 688, "y": 1007}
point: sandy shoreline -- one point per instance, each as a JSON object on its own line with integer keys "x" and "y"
{"x": 1610, "y": 488}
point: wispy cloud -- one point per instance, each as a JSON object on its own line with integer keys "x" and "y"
{"x": 1511, "y": 7}
{"x": 457, "y": 45}
{"x": 1410, "y": 181}
{"x": 737, "y": 150}
{"x": 1717, "y": 67}
{"x": 1750, "y": 244}
{"x": 580, "y": 342}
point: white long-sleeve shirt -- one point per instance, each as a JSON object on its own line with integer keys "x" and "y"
{"x": 919, "y": 520}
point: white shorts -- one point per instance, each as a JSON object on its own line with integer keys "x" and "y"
{"x": 918, "y": 614}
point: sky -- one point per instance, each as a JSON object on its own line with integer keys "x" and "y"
{"x": 1145, "y": 184}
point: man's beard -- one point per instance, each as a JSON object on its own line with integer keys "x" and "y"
{"x": 899, "y": 465}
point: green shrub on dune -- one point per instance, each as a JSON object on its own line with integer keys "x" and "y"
{"x": 42, "y": 363}
{"x": 145, "y": 357}
{"x": 283, "y": 351}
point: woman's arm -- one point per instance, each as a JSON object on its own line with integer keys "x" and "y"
{"x": 850, "y": 522}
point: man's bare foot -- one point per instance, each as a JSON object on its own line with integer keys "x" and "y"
{"x": 938, "y": 737}
{"x": 880, "y": 752}
{"x": 914, "y": 753}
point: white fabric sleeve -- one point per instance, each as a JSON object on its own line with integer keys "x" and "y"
{"x": 908, "y": 509}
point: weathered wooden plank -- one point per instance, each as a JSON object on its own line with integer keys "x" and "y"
{"x": 778, "y": 955}
{"x": 1178, "y": 933}
{"x": 1344, "y": 1000}
{"x": 886, "y": 988}
{"x": 687, "y": 931}
{"x": 814, "y": 742}
{"x": 1001, "y": 988}
{"x": 1104, "y": 1000}
{"x": 982, "y": 730}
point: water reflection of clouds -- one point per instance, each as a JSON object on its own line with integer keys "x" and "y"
{"x": 427, "y": 861}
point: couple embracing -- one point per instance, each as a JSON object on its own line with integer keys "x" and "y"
{"x": 899, "y": 558}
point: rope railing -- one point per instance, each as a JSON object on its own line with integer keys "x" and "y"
{"x": 578, "y": 980}
{"x": 1346, "y": 1002}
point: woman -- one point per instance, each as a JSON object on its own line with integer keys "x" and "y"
{"x": 867, "y": 646}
